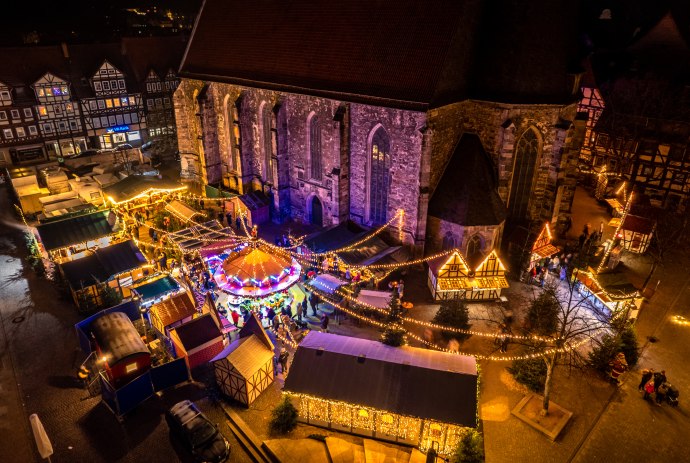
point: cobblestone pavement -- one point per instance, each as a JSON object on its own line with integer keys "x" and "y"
{"x": 39, "y": 357}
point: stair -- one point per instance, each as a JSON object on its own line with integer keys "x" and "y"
{"x": 376, "y": 452}
{"x": 246, "y": 437}
{"x": 342, "y": 451}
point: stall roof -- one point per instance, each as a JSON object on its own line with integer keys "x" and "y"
{"x": 135, "y": 185}
{"x": 103, "y": 264}
{"x": 247, "y": 355}
{"x": 198, "y": 332}
{"x": 198, "y": 236}
{"x": 175, "y": 308}
{"x": 403, "y": 380}
{"x": 117, "y": 337}
{"x": 336, "y": 237}
{"x": 327, "y": 283}
{"x": 75, "y": 230}
{"x": 157, "y": 287}
{"x": 181, "y": 210}
{"x": 638, "y": 224}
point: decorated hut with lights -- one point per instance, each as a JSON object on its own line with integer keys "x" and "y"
{"x": 636, "y": 233}
{"x": 140, "y": 191}
{"x": 244, "y": 369}
{"x": 72, "y": 237}
{"x": 543, "y": 247}
{"x": 609, "y": 292}
{"x": 172, "y": 312}
{"x": 452, "y": 277}
{"x": 402, "y": 394}
{"x": 115, "y": 266}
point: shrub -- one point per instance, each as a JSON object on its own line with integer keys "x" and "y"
{"x": 530, "y": 372}
{"x": 604, "y": 352}
{"x": 283, "y": 417}
{"x": 470, "y": 449}
{"x": 453, "y": 313}
{"x": 628, "y": 339}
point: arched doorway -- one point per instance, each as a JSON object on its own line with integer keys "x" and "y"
{"x": 316, "y": 217}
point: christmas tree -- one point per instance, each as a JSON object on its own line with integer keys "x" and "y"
{"x": 394, "y": 333}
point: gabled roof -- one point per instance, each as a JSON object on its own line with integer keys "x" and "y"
{"x": 103, "y": 264}
{"x": 174, "y": 309}
{"x": 638, "y": 224}
{"x": 253, "y": 328}
{"x": 397, "y": 53}
{"x": 247, "y": 355}
{"x": 467, "y": 194}
{"x": 404, "y": 380}
{"x": 198, "y": 332}
{"x": 76, "y": 230}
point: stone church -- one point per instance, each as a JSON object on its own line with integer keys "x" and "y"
{"x": 460, "y": 113}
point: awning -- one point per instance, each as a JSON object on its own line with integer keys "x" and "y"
{"x": 181, "y": 210}
{"x": 327, "y": 283}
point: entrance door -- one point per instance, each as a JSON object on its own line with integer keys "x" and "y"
{"x": 316, "y": 212}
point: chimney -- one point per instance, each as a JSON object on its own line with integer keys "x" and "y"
{"x": 65, "y": 50}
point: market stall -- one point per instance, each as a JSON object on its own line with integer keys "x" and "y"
{"x": 636, "y": 233}
{"x": 609, "y": 292}
{"x": 453, "y": 278}
{"x": 543, "y": 247}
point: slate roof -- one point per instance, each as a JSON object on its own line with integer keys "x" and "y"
{"x": 466, "y": 194}
{"x": 398, "y": 53}
{"x": 404, "y": 380}
{"x": 103, "y": 264}
{"x": 117, "y": 337}
{"x": 75, "y": 230}
{"x": 198, "y": 332}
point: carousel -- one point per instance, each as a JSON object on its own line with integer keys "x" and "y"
{"x": 254, "y": 277}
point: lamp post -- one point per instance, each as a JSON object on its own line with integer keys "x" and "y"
{"x": 142, "y": 311}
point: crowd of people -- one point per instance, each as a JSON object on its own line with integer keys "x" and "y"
{"x": 656, "y": 382}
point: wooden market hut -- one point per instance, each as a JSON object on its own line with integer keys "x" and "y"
{"x": 138, "y": 189}
{"x": 116, "y": 266}
{"x": 172, "y": 312}
{"x": 198, "y": 340}
{"x": 402, "y": 394}
{"x": 454, "y": 278}
{"x": 244, "y": 369}
{"x": 69, "y": 238}
{"x": 609, "y": 292}
{"x": 154, "y": 288}
{"x": 637, "y": 233}
{"x": 118, "y": 342}
{"x": 543, "y": 246}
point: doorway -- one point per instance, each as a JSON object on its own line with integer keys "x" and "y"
{"x": 316, "y": 217}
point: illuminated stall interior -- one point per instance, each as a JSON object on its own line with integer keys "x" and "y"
{"x": 407, "y": 395}
{"x": 71, "y": 238}
{"x": 636, "y": 233}
{"x": 609, "y": 292}
{"x": 543, "y": 246}
{"x": 453, "y": 278}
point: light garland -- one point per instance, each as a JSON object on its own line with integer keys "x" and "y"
{"x": 615, "y": 235}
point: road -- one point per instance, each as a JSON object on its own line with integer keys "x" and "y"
{"x": 39, "y": 357}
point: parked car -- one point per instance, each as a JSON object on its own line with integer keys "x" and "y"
{"x": 197, "y": 433}
{"x": 124, "y": 146}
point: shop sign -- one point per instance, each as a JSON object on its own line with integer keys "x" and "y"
{"x": 118, "y": 129}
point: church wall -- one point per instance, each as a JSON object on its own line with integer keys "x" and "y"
{"x": 438, "y": 229}
{"x": 403, "y": 128}
{"x": 499, "y": 126}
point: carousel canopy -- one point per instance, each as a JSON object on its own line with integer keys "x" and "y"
{"x": 255, "y": 264}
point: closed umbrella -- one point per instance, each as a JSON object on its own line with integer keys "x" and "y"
{"x": 45, "y": 448}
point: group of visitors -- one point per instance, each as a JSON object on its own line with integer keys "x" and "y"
{"x": 588, "y": 238}
{"x": 656, "y": 382}
{"x": 556, "y": 265}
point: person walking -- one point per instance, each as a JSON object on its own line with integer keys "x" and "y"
{"x": 647, "y": 374}
{"x": 324, "y": 322}
{"x": 401, "y": 287}
{"x": 304, "y": 306}
{"x": 300, "y": 310}
{"x": 314, "y": 303}
{"x": 283, "y": 359}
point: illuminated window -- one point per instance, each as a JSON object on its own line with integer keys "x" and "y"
{"x": 64, "y": 89}
{"x": 435, "y": 431}
{"x": 20, "y": 132}
{"x": 315, "y": 148}
{"x": 379, "y": 176}
{"x": 362, "y": 413}
{"x": 116, "y": 102}
{"x": 7, "y": 133}
{"x": 388, "y": 419}
{"x": 49, "y": 91}
{"x": 42, "y": 111}
{"x": 124, "y": 101}
{"x": 41, "y": 92}
{"x": 526, "y": 154}
{"x": 68, "y": 107}
{"x": 108, "y": 103}
{"x": 131, "y": 368}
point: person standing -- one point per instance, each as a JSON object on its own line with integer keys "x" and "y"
{"x": 304, "y": 306}
{"x": 283, "y": 359}
{"x": 661, "y": 393}
{"x": 401, "y": 287}
{"x": 314, "y": 303}
{"x": 300, "y": 310}
{"x": 648, "y": 389}
{"x": 324, "y": 322}
{"x": 647, "y": 374}
{"x": 659, "y": 379}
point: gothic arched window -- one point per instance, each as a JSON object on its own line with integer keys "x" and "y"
{"x": 448, "y": 242}
{"x": 268, "y": 141}
{"x": 316, "y": 170}
{"x": 474, "y": 247}
{"x": 234, "y": 138}
{"x": 526, "y": 154}
{"x": 379, "y": 176}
